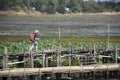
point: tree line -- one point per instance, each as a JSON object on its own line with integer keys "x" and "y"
{"x": 59, "y": 6}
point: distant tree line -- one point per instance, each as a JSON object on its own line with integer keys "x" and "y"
{"x": 59, "y": 6}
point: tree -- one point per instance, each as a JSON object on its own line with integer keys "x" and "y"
{"x": 63, "y": 2}
{"x": 52, "y": 6}
{"x": 61, "y": 9}
{"x": 40, "y": 5}
{"x": 74, "y": 6}
{"x": 91, "y": 6}
{"x": 117, "y": 8}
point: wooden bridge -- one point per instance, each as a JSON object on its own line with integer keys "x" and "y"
{"x": 63, "y": 69}
{"x": 86, "y": 62}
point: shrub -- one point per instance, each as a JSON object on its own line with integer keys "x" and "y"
{"x": 17, "y": 8}
{"x": 25, "y": 9}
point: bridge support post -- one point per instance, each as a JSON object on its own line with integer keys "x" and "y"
{"x": 116, "y": 54}
{"x": 5, "y": 58}
{"x": 31, "y": 60}
{"x": 70, "y": 57}
{"x": 94, "y": 53}
{"x": 58, "y": 58}
{"x": 46, "y": 61}
{"x": 43, "y": 55}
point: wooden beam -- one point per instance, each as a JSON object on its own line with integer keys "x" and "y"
{"x": 64, "y": 69}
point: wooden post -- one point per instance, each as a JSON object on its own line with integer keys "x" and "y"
{"x": 40, "y": 74}
{"x": 31, "y": 60}
{"x": 59, "y": 33}
{"x": 31, "y": 77}
{"x": 5, "y": 58}
{"x": 107, "y": 73}
{"x": 24, "y": 58}
{"x": 106, "y": 47}
{"x": 70, "y": 58}
{"x": 108, "y": 36}
{"x": 69, "y": 74}
{"x": 43, "y": 55}
{"x": 116, "y": 54}
{"x": 94, "y": 51}
{"x": 46, "y": 61}
{"x": 58, "y": 58}
{"x": 52, "y": 75}
{"x": 5, "y": 61}
{"x": 94, "y": 73}
{"x": 119, "y": 72}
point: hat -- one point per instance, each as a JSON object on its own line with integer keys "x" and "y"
{"x": 36, "y": 31}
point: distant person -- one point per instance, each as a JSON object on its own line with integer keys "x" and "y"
{"x": 34, "y": 39}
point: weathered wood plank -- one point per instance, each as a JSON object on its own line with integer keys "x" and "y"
{"x": 64, "y": 69}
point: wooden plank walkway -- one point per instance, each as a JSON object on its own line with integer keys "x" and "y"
{"x": 63, "y": 69}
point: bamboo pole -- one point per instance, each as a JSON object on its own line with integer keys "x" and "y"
{"x": 5, "y": 61}
{"x": 70, "y": 58}
{"x": 107, "y": 73}
{"x": 58, "y": 58}
{"x": 52, "y": 74}
{"x": 94, "y": 53}
{"x": 108, "y": 36}
{"x": 40, "y": 75}
{"x": 43, "y": 55}
{"x": 116, "y": 54}
{"x": 46, "y": 61}
{"x": 31, "y": 60}
{"x": 59, "y": 33}
{"x": 5, "y": 58}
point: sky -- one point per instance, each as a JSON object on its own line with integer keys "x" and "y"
{"x": 105, "y": 0}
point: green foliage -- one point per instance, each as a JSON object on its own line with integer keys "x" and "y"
{"x": 53, "y": 61}
{"x": 40, "y": 5}
{"x": 17, "y": 8}
{"x": 51, "y": 6}
{"x": 25, "y": 8}
{"x": 74, "y": 6}
{"x": 16, "y": 46}
{"x": 117, "y": 8}
{"x": 61, "y": 9}
{"x": 65, "y": 61}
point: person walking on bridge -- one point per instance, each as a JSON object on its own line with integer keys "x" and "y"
{"x": 34, "y": 40}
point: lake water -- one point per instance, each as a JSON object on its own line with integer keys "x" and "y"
{"x": 75, "y": 25}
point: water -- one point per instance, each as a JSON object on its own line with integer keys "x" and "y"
{"x": 75, "y": 25}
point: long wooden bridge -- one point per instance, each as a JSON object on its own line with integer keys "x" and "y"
{"x": 86, "y": 62}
